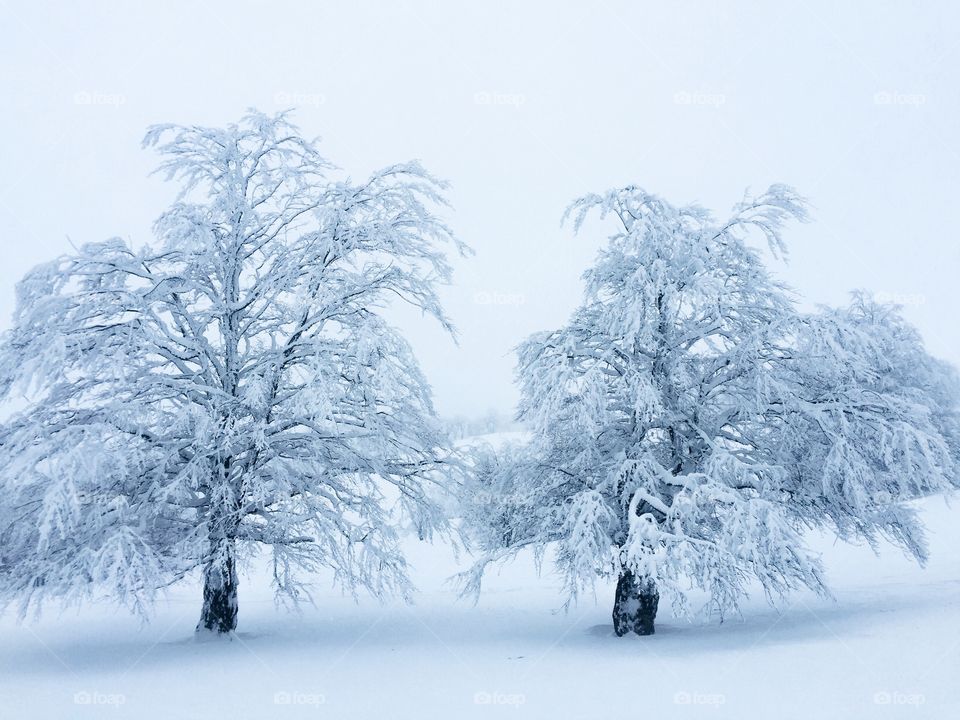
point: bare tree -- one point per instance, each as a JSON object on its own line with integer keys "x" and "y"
{"x": 234, "y": 389}
{"x": 689, "y": 423}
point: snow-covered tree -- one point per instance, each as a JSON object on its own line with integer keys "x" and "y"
{"x": 688, "y": 423}
{"x": 233, "y": 389}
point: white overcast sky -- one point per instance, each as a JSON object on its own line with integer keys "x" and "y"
{"x": 522, "y": 106}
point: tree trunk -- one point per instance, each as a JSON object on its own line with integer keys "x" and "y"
{"x": 219, "y": 612}
{"x": 635, "y": 604}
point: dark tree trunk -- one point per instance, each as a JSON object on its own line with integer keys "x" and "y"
{"x": 219, "y": 612}
{"x": 635, "y": 605}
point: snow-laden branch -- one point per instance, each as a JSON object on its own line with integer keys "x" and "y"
{"x": 233, "y": 387}
{"x": 689, "y": 422}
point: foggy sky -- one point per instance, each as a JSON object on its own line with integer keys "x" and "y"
{"x": 523, "y": 107}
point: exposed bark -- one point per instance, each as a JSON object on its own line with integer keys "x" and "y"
{"x": 635, "y": 604}
{"x": 219, "y": 612}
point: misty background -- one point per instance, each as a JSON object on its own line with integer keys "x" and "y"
{"x": 522, "y": 108}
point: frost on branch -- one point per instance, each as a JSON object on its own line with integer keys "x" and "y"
{"x": 689, "y": 423}
{"x": 232, "y": 390}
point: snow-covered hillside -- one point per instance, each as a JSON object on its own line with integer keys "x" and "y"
{"x": 887, "y": 647}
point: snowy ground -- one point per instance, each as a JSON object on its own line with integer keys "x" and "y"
{"x": 888, "y": 647}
